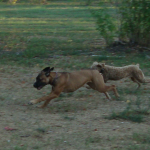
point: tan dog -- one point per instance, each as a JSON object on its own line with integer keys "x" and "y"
{"x": 117, "y": 73}
{"x": 69, "y": 82}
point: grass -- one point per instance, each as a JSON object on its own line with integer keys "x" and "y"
{"x": 31, "y": 33}
{"x": 127, "y": 115}
{"x": 141, "y": 141}
{"x": 36, "y": 28}
{"x": 142, "y": 138}
{"x": 134, "y": 111}
{"x": 92, "y": 139}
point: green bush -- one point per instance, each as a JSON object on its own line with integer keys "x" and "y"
{"x": 126, "y": 20}
{"x": 135, "y": 21}
{"x": 105, "y": 22}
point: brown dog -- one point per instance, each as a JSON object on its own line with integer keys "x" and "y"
{"x": 69, "y": 82}
{"x": 117, "y": 73}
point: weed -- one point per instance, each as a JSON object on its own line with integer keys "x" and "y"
{"x": 127, "y": 90}
{"x": 132, "y": 112}
{"x": 127, "y": 115}
{"x": 36, "y": 147}
{"x": 68, "y": 118}
{"x": 142, "y": 138}
{"x": 137, "y": 147}
{"x": 41, "y": 130}
{"x": 20, "y": 148}
{"x": 92, "y": 139}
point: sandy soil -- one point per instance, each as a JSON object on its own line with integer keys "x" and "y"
{"x": 71, "y": 122}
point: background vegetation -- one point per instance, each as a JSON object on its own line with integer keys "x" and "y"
{"x": 126, "y": 20}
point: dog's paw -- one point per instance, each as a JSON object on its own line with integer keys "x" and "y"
{"x": 32, "y": 102}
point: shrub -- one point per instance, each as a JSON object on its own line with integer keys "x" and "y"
{"x": 105, "y": 23}
{"x": 133, "y": 21}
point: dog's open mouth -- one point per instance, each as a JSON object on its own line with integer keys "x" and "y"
{"x": 39, "y": 87}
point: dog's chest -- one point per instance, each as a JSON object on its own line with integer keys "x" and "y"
{"x": 72, "y": 87}
{"x": 68, "y": 90}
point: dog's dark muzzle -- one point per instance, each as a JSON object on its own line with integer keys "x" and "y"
{"x": 35, "y": 85}
{"x": 39, "y": 85}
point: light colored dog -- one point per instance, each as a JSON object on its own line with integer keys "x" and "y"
{"x": 117, "y": 73}
{"x": 70, "y": 82}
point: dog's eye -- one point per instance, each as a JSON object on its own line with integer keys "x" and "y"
{"x": 42, "y": 80}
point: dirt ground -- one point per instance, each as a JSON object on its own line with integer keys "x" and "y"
{"x": 71, "y": 122}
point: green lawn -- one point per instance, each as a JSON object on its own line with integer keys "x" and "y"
{"x": 57, "y": 28}
{"x": 43, "y": 34}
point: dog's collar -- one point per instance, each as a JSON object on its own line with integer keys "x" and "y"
{"x": 102, "y": 70}
{"x": 56, "y": 76}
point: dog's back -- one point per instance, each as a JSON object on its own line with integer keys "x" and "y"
{"x": 77, "y": 79}
{"x": 116, "y": 73}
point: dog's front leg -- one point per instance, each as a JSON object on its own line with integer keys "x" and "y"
{"x": 45, "y": 98}
{"x": 107, "y": 95}
{"x": 54, "y": 94}
{"x": 48, "y": 99}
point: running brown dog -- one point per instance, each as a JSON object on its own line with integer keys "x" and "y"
{"x": 69, "y": 82}
{"x": 117, "y": 73}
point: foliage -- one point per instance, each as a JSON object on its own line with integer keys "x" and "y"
{"x": 133, "y": 113}
{"x": 133, "y": 21}
{"x": 142, "y": 138}
{"x": 105, "y": 22}
{"x": 3, "y": 0}
{"x": 25, "y": 1}
{"x": 127, "y": 115}
{"x": 9, "y": 1}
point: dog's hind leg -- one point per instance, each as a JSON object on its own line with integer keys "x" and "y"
{"x": 101, "y": 87}
{"x": 107, "y": 95}
{"x": 108, "y": 88}
{"x": 139, "y": 78}
{"x": 112, "y": 88}
{"x": 91, "y": 85}
{"x": 87, "y": 86}
{"x": 134, "y": 80}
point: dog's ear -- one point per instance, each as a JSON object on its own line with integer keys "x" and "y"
{"x": 47, "y": 71}
{"x": 95, "y": 63}
{"x": 99, "y": 65}
{"x": 103, "y": 65}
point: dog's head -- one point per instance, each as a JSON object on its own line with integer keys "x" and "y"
{"x": 99, "y": 66}
{"x": 43, "y": 78}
